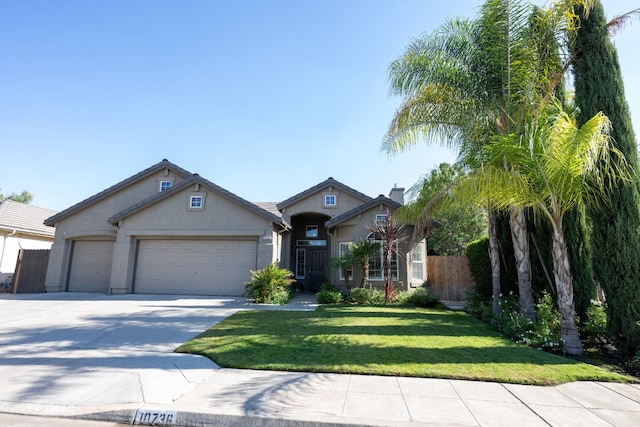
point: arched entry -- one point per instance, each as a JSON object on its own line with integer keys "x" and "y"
{"x": 309, "y": 250}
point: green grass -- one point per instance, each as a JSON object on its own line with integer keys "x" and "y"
{"x": 401, "y": 341}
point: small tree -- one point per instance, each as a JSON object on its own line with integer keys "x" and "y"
{"x": 24, "y": 197}
{"x": 361, "y": 253}
{"x": 343, "y": 263}
{"x": 390, "y": 234}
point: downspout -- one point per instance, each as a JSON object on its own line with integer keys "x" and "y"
{"x": 4, "y": 244}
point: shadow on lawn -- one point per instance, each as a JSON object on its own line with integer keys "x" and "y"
{"x": 397, "y": 322}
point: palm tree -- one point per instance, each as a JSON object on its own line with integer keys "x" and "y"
{"x": 390, "y": 234}
{"x": 361, "y": 253}
{"x": 558, "y": 170}
{"x": 469, "y": 80}
{"x": 343, "y": 263}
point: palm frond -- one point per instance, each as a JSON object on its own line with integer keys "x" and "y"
{"x": 619, "y": 22}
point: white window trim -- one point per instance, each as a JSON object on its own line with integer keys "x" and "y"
{"x": 394, "y": 274}
{"x": 335, "y": 200}
{"x": 415, "y": 263}
{"x": 192, "y": 199}
{"x": 381, "y": 219}
{"x": 170, "y": 184}
{"x": 300, "y": 251}
{"x": 340, "y": 252}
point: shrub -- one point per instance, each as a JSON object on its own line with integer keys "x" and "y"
{"x": 367, "y": 296}
{"x": 543, "y": 334}
{"x": 478, "y": 305}
{"x": 547, "y": 327}
{"x": 595, "y": 326}
{"x": 477, "y": 253}
{"x": 402, "y": 298}
{"x": 270, "y": 285}
{"x": 424, "y": 297}
{"x": 328, "y": 294}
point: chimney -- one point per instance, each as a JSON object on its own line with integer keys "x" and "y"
{"x": 397, "y": 194}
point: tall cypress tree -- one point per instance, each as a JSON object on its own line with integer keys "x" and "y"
{"x": 616, "y": 227}
{"x": 580, "y": 259}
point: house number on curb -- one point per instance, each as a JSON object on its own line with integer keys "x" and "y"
{"x": 152, "y": 417}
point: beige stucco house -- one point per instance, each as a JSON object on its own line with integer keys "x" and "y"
{"x": 168, "y": 231}
{"x": 21, "y": 227}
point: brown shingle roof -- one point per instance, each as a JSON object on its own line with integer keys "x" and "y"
{"x": 25, "y": 218}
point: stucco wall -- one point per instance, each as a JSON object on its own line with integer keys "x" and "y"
{"x": 172, "y": 218}
{"x": 91, "y": 223}
{"x": 356, "y": 229}
{"x": 314, "y": 203}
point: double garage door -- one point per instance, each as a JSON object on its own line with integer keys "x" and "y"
{"x": 187, "y": 267}
{"x": 194, "y": 267}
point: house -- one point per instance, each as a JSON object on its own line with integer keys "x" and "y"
{"x": 168, "y": 231}
{"x": 21, "y": 227}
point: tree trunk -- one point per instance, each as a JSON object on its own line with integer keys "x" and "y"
{"x": 388, "y": 280}
{"x": 365, "y": 273}
{"x": 520, "y": 239}
{"x": 494, "y": 256}
{"x": 564, "y": 287}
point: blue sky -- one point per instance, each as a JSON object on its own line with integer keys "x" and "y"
{"x": 264, "y": 98}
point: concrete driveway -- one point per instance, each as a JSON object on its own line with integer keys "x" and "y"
{"x": 75, "y": 350}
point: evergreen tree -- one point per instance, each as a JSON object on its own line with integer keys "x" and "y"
{"x": 580, "y": 259}
{"x": 599, "y": 87}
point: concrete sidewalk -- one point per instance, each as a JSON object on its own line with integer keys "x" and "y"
{"x": 98, "y": 357}
{"x": 231, "y": 397}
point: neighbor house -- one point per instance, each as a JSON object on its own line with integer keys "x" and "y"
{"x": 21, "y": 227}
{"x": 168, "y": 231}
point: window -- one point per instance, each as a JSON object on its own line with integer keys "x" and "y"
{"x": 165, "y": 185}
{"x": 300, "y": 263}
{"x": 196, "y": 202}
{"x": 377, "y": 268}
{"x": 329, "y": 200}
{"x": 311, "y": 243}
{"x": 417, "y": 263}
{"x": 312, "y": 231}
{"x": 381, "y": 219}
{"x": 343, "y": 249}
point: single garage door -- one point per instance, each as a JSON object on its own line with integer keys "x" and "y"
{"x": 194, "y": 267}
{"x": 91, "y": 266}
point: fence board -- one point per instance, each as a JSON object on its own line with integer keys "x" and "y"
{"x": 449, "y": 277}
{"x": 31, "y": 271}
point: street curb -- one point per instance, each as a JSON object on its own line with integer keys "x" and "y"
{"x": 195, "y": 419}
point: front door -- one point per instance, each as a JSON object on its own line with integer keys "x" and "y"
{"x": 317, "y": 264}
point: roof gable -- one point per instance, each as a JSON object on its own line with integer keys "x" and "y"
{"x": 330, "y": 182}
{"x": 25, "y": 218}
{"x": 193, "y": 179}
{"x": 164, "y": 164}
{"x": 392, "y": 204}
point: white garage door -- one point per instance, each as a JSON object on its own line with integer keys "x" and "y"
{"x": 91, "y": 266}
{"x": 194, "y": 267}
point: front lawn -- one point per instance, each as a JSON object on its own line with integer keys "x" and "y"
{"x": 386, "y": 340}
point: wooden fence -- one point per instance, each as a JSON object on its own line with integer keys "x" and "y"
{"x": 449, "y": 277}
{"x": 31, "y": 271}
